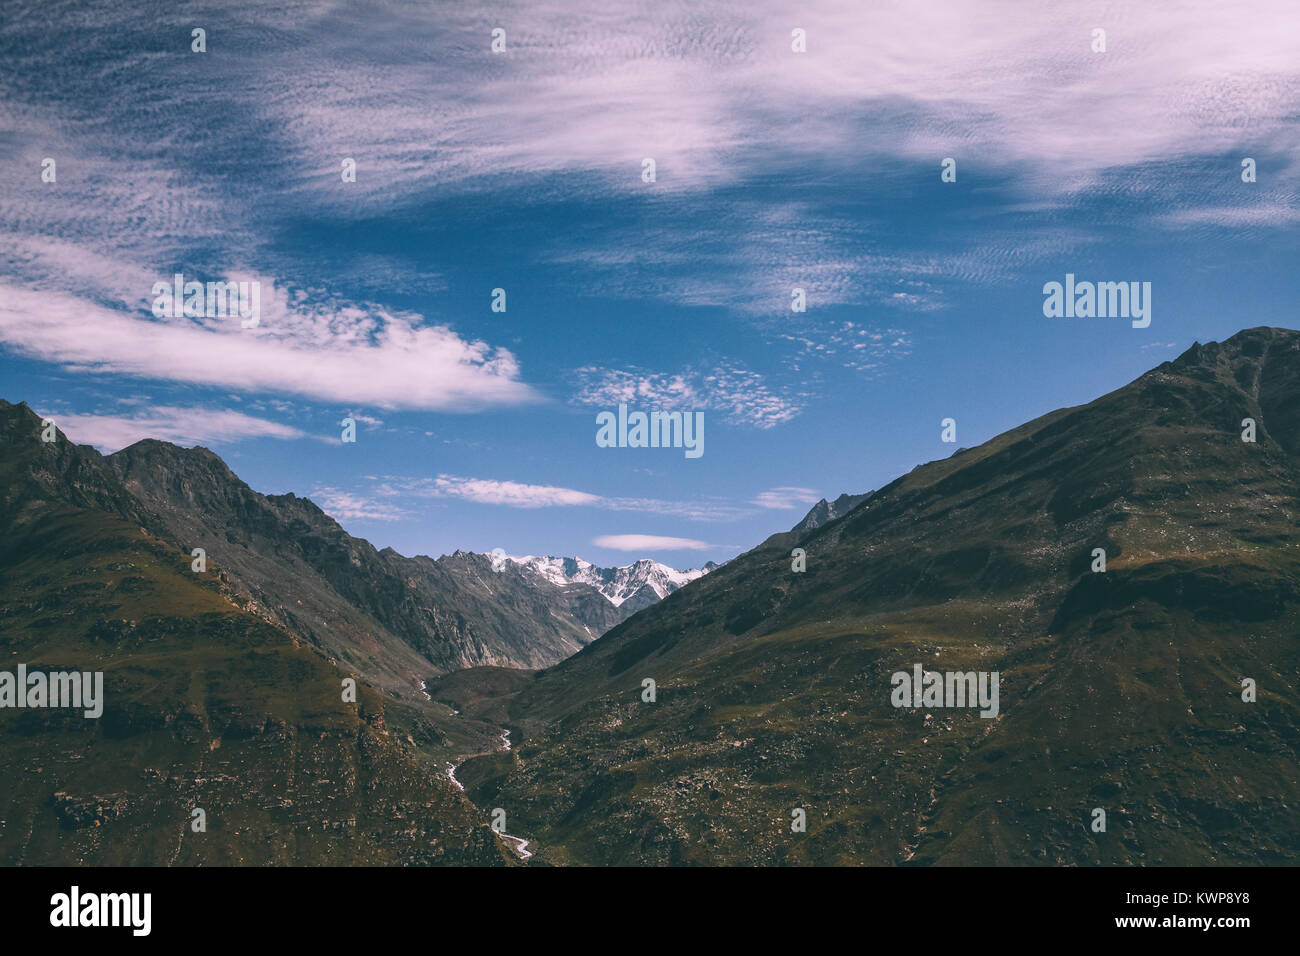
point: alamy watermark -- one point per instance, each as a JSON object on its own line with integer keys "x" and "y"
{"x": 75, "y": 908}
{"x": 84, "y": 690}
{"x": 210, "y": 300}
{"x": 651, "y": 430}
{"x": 923, "y": 688}
{"x": 1102, "y": 300}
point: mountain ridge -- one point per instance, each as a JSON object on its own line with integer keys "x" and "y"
{"x": 825, "y": 512}
{"x": 773, "y": 687}
{"x": 396, "y": 619}
{"x": 689, "y": 732}
{"x": 205, "y": 706}
{"x": 629, "y": 587}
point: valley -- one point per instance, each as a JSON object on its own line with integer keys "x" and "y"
{"x": 1119, "y": 690}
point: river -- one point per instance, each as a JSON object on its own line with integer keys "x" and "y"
{"x": 520, "y": 844}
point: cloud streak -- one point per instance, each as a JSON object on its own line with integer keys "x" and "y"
{"x": 515, "y": 494}
{"x": 648, "y": 543}
{"x": 348, "y": 354}
{"x": 739, "y": 394}
{"x": 181, "y": 426}
{"x": 351, "y": 507}
{"x": 785, "y": 499}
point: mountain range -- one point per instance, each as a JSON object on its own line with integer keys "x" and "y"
{"x": 218, "y": 681}
{"x": 1130, "y": 568}
{"x": 215, "y": 713}
{"x": 630, "y": 588}
{"x": 1126, "y": 688}
{"x": 394, "y": 618}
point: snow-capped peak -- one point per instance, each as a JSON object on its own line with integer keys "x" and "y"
{"x": 644, "y": 582}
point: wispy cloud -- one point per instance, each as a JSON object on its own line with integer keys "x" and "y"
{"x": 340, "y": 353}
{"x": 515, "y": 494}
{"x": 648, "y": 543}
{"x": 711, "y": 89}
{"x": 849, "y": 344}
{"x": 352, "y": 507}
{"x": 786, "y": 498}
{"x": 1272, "y": 211}
{"x": 585, "y": 92}
{"x": 739, "y": 394}
{"x": 181, "y": 426}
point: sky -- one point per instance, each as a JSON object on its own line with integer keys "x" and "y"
{"x": 524, "y": 169}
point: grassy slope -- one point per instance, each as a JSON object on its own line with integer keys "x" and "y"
{"x": 206, "y": 706}
{"x": 1120, "y": 691}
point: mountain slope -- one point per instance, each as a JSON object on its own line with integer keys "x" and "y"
{"x": 395, "y": 619}
{"x": 205, "y": 707}
{"x": 1119, "y": 690}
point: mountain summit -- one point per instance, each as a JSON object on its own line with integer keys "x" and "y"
{"x": 824, "y": 512}
{"x": 631, "y": 587}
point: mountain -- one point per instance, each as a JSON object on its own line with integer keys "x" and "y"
{"x": 825, "y": 512}
{"x": 1160, "y": 689}
{"x": 205, "y": 706}
{"x": 1121, "y": 690}
{"x": 630, "y": 588}
{"x": 395, "y": 619}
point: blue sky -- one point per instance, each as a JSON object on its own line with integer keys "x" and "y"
{"x": 522, "y": 170}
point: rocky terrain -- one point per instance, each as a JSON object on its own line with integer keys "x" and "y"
{"x": 395, "y": 619}
{"x": 1121, "y": 690}
{"x": 1158, "y": 688}
{"x": 206, "y": 706}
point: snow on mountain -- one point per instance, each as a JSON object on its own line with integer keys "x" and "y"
{"x": 632, "y": 587}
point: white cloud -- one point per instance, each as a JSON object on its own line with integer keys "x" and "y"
{"x": 850, "y": 344}
{"x": 342, "y": 353}
{"x": 603, "y": 386}
{"x": 488, "y": 491}
{"x": 710, "y": 88}
{"x": 350, "y": 507}
{"x": 181, "y": 426}
{"x": 1272, "y": 212}
{"x": 740, "y": 395}
{"x": 514, "y": 494}
{"x": 648, "y": 542}
{"x": 786, "y": 498}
